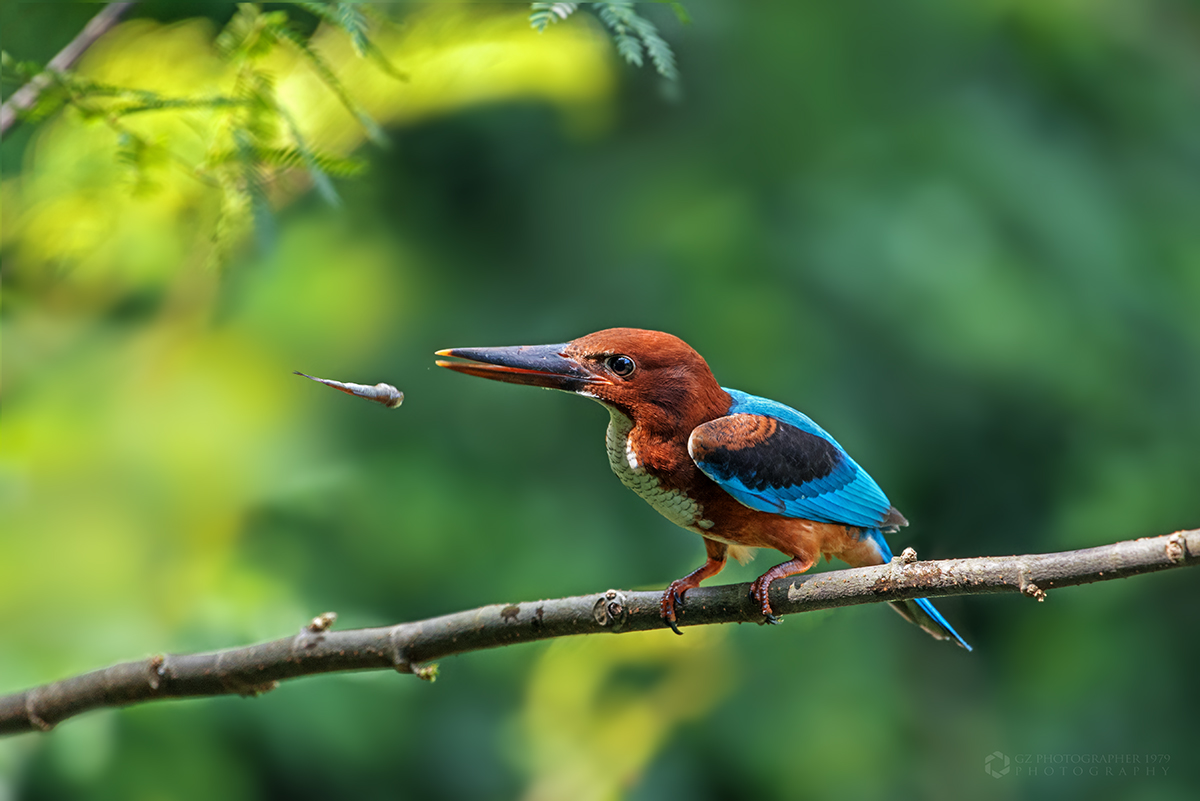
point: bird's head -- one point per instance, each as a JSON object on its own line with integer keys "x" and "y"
{"x": 651, "y": 377}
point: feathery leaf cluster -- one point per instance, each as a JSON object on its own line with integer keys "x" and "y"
{"x": 254, "y": 137}
{"x": 635, "y": 36}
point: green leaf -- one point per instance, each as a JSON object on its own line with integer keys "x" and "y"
{"x": 334, "y": 165}
{"x": 632, "y": 32}
{"x": 350, "y": 18}
{"x": 319, "y": 178}
{"x": 612, "y": 15}
{"x": 542, "y": 14}
{"x": 177, "y": 103}
{"x": 14, "y": 71}
{"x": 250, "y": 34}
{"x": 260, "y": 208}
{"x": 374, "y": 132}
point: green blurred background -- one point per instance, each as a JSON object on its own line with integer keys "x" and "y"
{"x": 962, "y": 236}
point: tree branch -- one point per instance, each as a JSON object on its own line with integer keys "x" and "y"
{"x": 27, "y": 95}
{"x": 254, "y": 669}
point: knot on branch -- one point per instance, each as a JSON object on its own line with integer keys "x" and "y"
{"x": 397, "y": 637}
{"x": 247, "y": 689}
{"x": 427, "y": 673}
{"x": 33, "y": 717}
{"x": 905, "y": 570}
{"x": 611, "y": 610}
{"x": 312, "y": 634}
{"x": 322, "y": 622}
{"x": 1030, "y": 589}
{"x": 158, "y": 671}
{"x": 1177, "y": 548}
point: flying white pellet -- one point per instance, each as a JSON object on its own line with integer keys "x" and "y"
{"x": 386, "y": 394}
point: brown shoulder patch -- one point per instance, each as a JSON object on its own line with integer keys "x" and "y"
{"x": 732, "y": 433}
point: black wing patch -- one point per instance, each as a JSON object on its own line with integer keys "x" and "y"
{"x": 775, "y": 466}
{"x": 762, "y": 453}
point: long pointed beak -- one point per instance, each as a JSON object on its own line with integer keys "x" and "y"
{"x": 534, "y": 365}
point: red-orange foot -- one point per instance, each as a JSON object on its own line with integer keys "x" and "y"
{"x": 761, "y": 588}
{"x": 675, "y": 592}
{"x": 759, "y": 592}
{"x": 674, "y": 595}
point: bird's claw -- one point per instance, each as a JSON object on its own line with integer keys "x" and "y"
{"x": 671, "y": 598}
{"x": 758, "y": 592}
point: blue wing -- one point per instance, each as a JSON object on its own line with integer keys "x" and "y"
{"x": 772, "y": 458}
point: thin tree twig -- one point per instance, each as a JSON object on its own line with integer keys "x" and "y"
{"x": 27, "y": 95}
{"x": 410, "y": 647}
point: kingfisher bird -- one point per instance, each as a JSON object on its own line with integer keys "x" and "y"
{"x": 741, "y": 471}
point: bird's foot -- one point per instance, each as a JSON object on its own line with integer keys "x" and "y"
{"x": 761, "y": 587}
{"x": 673, "y": 595}
{"x": 759, "y": 592}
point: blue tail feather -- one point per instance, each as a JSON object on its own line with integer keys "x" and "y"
{"x": 923, "y": 613}
{"x": 917, "y": 610}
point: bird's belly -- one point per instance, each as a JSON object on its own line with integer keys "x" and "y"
{"x": 675, "y": 505}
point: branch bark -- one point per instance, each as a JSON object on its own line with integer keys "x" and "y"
{"x": 27, "y": 95}
{"x": 410, "y": 647}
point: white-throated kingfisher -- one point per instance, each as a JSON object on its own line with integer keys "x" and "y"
{"x": 741, "y": 471}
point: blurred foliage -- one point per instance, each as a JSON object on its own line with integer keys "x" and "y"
{"x": 598, "y": 711}
{"x": 633, "y": 34}
{"x": 960, "y": 236}
{"x": 209, "y": 134}
{"x": 240, "y": 119}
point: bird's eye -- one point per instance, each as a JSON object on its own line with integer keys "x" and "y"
{"x": 620, "y": 365}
